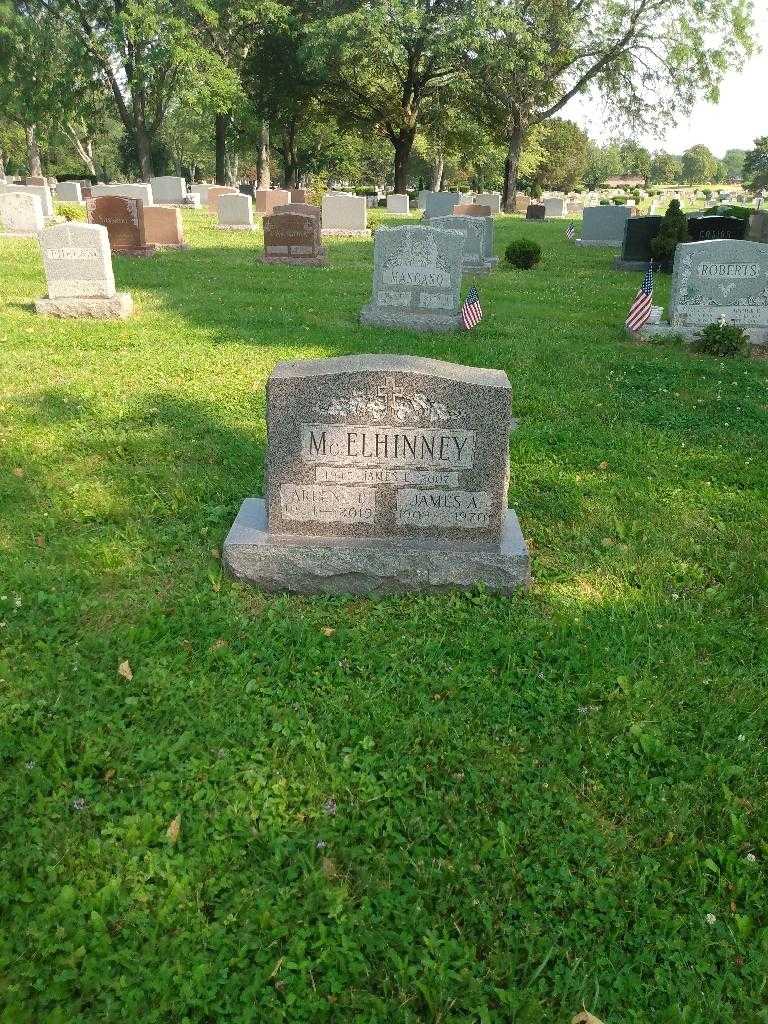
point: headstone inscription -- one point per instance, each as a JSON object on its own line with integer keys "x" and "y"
{"x": 69, "y": 192}
{"x": 636, "y": 245}
{"x": 21, "y": 214}
{"x": 535, "y": 211}
{"x": 344, "y": 214}
{"x": 758, "y": 226}
{"x": 293, "y": 237}
{"x": 163, "y": 227}
{"x": 236, "y": 213}
{"x": 124, "y": 220}
{"x": 385, "y": 474}
{"x": 478, "y": 240}
{"x": 78, "y": 270}
{"x": 398, "y": 203}
{"x": 604, "y": 226}
{"x": 723, "y": 279}
{"x": 416, "y": 279}
{"x": 702, "y": 229}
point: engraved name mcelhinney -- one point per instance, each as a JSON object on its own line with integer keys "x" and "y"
{"x": 341, "y": 445}
{"x": 747, "y": 271}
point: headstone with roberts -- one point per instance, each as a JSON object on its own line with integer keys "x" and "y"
{"x": 639, "y": 232}
{"x": 384, "y": 474}
{"x": 163, "y": 227}
{"x": 78, "y": 269}
{"x": 604, "y": 226}
{"x": 124, "y": 220}
{"x": 292, "y": 236}
{"x": 398, "y": 203}
{"x": 344, "y": 214}
{"x": 535, "y": 211}
{"x": 704, "y": 229}
{"x": 236, "y": 213}
{"x": 491, "y": 199}
{"x": 416, "y": 279}
{"x": 21, "y": 214}
{"x": 478, "y": 240}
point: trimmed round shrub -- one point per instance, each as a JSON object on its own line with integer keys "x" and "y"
{"x": 721, "y": 339}
{"x": 70, "y": 211}
{"x": 619, "y": 200}
{"x": 523, "y": 253}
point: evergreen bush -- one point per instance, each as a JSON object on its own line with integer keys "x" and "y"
{"x": 673, "y": 229}
{"x": 721, "y": 339}
{"x": 523, "y": 253}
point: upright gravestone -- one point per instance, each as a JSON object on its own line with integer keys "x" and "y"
{"x": 522, "y": 202}
{"x": 298, "y": 195}
{"x": 69, "y": 192}
{"x": 344, "y": 214}
{"x": 124, "y": 220}
{"x": 717, "y": 280}
{"x": 555, "y": 206}
{"x": 440, "y": 204}
{"x": 169, "y": 190}
{"x": 639, "y": 232}
{"x": 236, "y": 213}
{"x": 385, "y": 474}
{"x": 78, "y": 270}
{"x": 21, "y": 214}
{"x": 200, "y": 189}
{"x": 758, "y": 226}
{"x": 535, "y": 211}
{"x": 163, "y": 227}
{"x": 398, "y": 203}
{"x": 292, "y": 236}
{"x": 703, "y": 229}
{"x": 266, "y": 199}
{"x": 491, "y": 199}
{"x": 42, "y": 192}
{"x": 604, "y": 226}
{"x": 478, "y": 255}
{"x": 212, "y": 194}
{"x": 126, "y": 190}
{"x": 416, "y": 279}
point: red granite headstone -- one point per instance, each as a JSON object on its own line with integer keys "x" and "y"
{"x": 163, "y": 227}
{"x": 124, "y": 220}
{"x": 471, "y": 210}
{"x": 293, "y": 238}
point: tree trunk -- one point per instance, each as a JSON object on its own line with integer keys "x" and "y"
{"x": 514, "y": 148}
{"x": 437, "y": 173}
{"x": 221, "y": 123}
{"x": 263, "y": 174}
{"x": 33, "y": 152}
{"x": 402, "y": 142}
{"x": 83, "y": 148}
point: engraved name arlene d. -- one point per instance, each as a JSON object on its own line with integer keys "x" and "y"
{"x": 386, "y": 446}
{"x": 745, "y": 271}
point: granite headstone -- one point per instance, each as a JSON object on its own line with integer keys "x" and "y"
{"x": 21, "y": 214}
{"x": 78, "y": 270}
{"x": 292, "y": 236}
{"x": 722, "y": 279}
{"x": 124, "y": 220}
{"x": 478, "y": 240}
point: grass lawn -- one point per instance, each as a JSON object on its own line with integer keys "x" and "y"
{"x": 463, "y": 809}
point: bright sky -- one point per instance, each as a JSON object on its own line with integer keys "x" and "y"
{"x": 734, "y": 123}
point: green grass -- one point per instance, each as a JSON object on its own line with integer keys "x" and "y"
{"x": 538, "y": 800}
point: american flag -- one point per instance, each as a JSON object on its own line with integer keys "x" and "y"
{"x": 641, "y": 307}
{"x": 471, "y": 311}
{"x": 570, "y": 233}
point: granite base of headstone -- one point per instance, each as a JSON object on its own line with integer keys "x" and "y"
{"x": 78, "y": 271}
{"x": 416, "y": 279}
{"x": 385, "y": 474}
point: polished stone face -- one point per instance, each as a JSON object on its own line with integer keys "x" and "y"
{"x": 604, "y": 223}
{"x": 122, "y": 217}
{"x": 638, "y": 233}
{"x": 388, "y": 446}
{"x": 702, "y": 229}
{"x": 720, "y": 279}
{"x": 77, "y": 261}
{"x": 757, "y": 230}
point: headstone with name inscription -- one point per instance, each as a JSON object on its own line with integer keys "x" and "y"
{"x": 292, "y": 236}
{"x": 702, "y": 229}
{"x": 124, "y": 220}
{"x": 721, "y": 279}
{"x": 344, "y": 214}
{"x": 555, "y": 206}
{"x": 416, "y": 279}
{"x": 21, "y": 214}
{"x": 478, "y": 240}
{"x": 398, "y": 203}
{"x": 536, "y": 211}
{"x": 163, "y": 227}
{"x": 757, "y": 230}
{"x": 236, "y": 213}
{"x": 604, "y": 226}
{"x": 384, "y": 474}
{"x": 636, "y": 245}
{"x": 78, "y": 270}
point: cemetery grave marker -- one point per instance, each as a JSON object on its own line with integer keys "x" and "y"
{"x": 127, "y": 190}
{"x": 471, "y": 210}
{"x": 385, "y": 473}
{"x": 758, "y": 226}
{"x": 490, "y": 199}
{"x": 163, "y": 227}
{"x": 298, "y": 195}
{"x": 266, "y": 199}
{"x": 78, "y": 270}
{"x": 398, "y": 203}
{"x": 535, "y": 212}
{"x": 555, "y": 206}
{"x": 124, "y": 220}
{"x": 236, "y": 212}
{"x": 636, "y": 244}
{"x": 344, "y": 214}
{"x": 212, "y": 194}
{"x": 69, "y": 192}
{"x": 604, "y": 226}
{"x": 21, "y": 214}
{"x": 440, "y": 204}
{"x": 478, "y": 240}
{"x": 292, "y": 236}
{"x": 42, "y": 192}
{"x": 702, "y": 229}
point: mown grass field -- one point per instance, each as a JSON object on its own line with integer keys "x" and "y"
{"x": 460, "y": 810}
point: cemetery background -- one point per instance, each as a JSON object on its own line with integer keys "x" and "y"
{"x": 424, "y": 806}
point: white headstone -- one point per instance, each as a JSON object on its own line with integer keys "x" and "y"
{"x": 492, "y": 199}
{"x": 168, "y": 189}
{"x": 69, "y": 192}
{"x": 398, "y": 203}
{"x": 78, "y": 270}
{"x": 42, "y": 192}
{"x": 127, "y": 190}
{"x": 344, "y": 214}
{"x": 21, "y": 213}
{"x": 235, "y": 211}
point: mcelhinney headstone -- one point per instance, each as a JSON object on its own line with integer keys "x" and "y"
{"x": 398, "y": 202}
{"x": 236, "y": 212}
{"x": 124, "y": 220}
{"x": 604, "y": 226}
{"x": 344, "y": 214}
{"x": 416, "y": 279}
{"x": 78, "y": 270}
{"x": 639, "y": 232}
{"x": 478, "y": 240}
{"x": 384, "y": 474}
{"x": 21, "y": 214}
{"x": 292, "y": 236}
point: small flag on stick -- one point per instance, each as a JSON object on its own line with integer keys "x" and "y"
{"x": 640, "y": 309}
{"x": 570, "y": 233}
{"x": 471, "y": 311}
